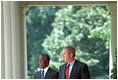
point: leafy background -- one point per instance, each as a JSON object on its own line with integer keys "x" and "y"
{"x": 86, "y": 28}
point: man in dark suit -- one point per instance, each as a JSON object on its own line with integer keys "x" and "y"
{"x": 46, "y": 72}
{"x": 73, "y": 69}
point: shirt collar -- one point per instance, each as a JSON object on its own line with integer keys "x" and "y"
{"x": 45, "y": 70}
{"x": 72, "y": 62}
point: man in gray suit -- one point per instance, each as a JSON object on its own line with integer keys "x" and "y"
{"x": 46, "y": 72}
{"x": 73, "y": 69}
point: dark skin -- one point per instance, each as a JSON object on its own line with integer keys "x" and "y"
{"x": 43, "y": 62}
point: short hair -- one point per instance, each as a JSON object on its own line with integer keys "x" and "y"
{"x": 70, "y": 49}
{"x": 46, "y": 56}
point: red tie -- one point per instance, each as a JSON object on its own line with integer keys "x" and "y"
{"x": 67, "y": 71}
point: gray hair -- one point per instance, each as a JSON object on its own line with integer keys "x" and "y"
{"x": 70, "y": 49}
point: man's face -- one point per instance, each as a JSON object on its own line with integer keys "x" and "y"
{"x": 43, "y": 63}
{"x": 67, "y": 57}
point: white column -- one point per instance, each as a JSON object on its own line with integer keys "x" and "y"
{"x": 113, "y": 9}
{"x": 7, "y": 40}
{"x": 25, "y": 8}
{"x": 2, "y": 45}
{"x": 22, "y": 41}
{"x": 13, "y": 51}
{"x": 113, "y": 39}
{"x": 15, "y": 40}
{"x": 18, "y": 49}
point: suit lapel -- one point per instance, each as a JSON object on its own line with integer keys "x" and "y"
{"x": 39, "y": 75}
{"x": 64, "y": 70}
{"x": 47, "y": 73}
{"x": 74, "y": 69}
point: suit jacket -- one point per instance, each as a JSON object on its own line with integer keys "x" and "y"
{"x": 50, "y": 74}
{"x": 79, "y": 71}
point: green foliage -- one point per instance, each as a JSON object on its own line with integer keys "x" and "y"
{"x": 86, "y": 28}
{"x": 114, "y": 70}
{"x": 38, "y": 21}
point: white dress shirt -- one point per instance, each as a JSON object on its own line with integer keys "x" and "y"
{"x": 45, "y": 70}
{"x": 71, "y": 66}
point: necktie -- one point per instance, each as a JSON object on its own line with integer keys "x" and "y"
{"x": 67, "y": 71}
{"x": 42, "y": 74}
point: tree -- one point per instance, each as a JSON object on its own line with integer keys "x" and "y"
{"x": 38, "y": 22}
{"x": 87, "y": 28}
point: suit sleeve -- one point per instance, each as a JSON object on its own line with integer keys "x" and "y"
{"x": 60, "y": 73}
{"x": 85, "y": 72}
{"x": 56, "y": 75}
{"x": 34, "y": 76}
